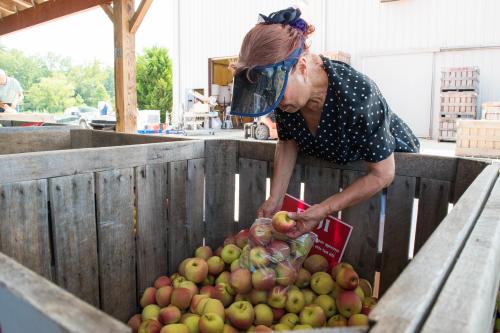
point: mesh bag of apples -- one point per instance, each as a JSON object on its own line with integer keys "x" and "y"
{"x": 258, "y": 281}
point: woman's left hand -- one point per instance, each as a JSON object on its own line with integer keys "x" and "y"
{"x": 307, "y": 220}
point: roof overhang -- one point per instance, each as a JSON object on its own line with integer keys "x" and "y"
{"x": 20, "y": 14}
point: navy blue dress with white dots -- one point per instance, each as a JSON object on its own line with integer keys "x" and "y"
{"x": 356, "y": 122}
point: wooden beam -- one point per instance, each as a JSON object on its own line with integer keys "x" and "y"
{"x": 6, "y": 8}
{"x": 136, "y": 20}
{"x": 45, "y": 12}
{"x": 23, "y": 3}
{"x": 125, "y": 85}
{"x": 108, "y": 9}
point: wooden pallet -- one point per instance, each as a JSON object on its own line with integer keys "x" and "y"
{"x": 459, "y": 103}
{"x": 478, "y": 138}
{"x": 460, "y": 78}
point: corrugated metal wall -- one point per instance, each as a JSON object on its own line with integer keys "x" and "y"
{"x": 366, "y": 26}
{"x": 363, "y": 28}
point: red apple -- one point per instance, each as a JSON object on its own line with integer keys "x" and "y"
{"x": 282, "y": 222}
{"x": 241, "y": 281}
{"x": 162, "y": 281}
{"x": 260, "y": 234}
{"x": 348, "y": 303}
{"x": 303, "y": 278}
{"x": 259, "y": 256}
{"x": 347, "y": 278}
{"x": 278, "y": 250}
{"x": 263, "y": 279}
{"x": 277, "y": 297}
{"x": 285, "y": 274}
{"x": 181, "y": 298}
{"x": 196, "y": 270}
{"x": 134, "y": 322}
{"x": 203, "y": 252}
{"x": 163, "y": 296}
{"x": 170, "y": 315}
{"x": 316, "y": 263}
{"x": 241, "y": 238}
{"x": 241, "y": 315}
{"x": 148, "y": 297}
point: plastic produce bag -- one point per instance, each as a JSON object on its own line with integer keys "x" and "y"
{"x": 274, "y": 258}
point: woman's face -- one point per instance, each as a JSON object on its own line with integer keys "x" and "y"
{"x": 297, "y": 90}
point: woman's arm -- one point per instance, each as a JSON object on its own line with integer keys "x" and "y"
{"x": 285, "y": 157}
{"x": 380, "y": 175}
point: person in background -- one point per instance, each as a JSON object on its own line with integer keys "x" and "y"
{"x": 324, "y": 108}
{"x": 11, "y": 93}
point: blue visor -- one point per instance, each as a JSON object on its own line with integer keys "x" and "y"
{"x": 258, "y": 91}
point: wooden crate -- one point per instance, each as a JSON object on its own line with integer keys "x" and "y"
{"x": 448, "y": 126}
{"x": 478, "y": 138}
{"x": 490, "y": 111}
{"x": 460, "y": 78}
{"x": 447, "y": 129}
{"x": 89, "y": 196}
{"x": 459, "y": 103}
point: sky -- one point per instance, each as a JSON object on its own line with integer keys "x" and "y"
{"x": 88, "y": 35}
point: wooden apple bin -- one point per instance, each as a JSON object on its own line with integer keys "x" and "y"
{"x": 67, "y": 218}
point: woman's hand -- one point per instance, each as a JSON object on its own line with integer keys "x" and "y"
{"x": 307, "y": 220}
{"x": 270, "y": 207}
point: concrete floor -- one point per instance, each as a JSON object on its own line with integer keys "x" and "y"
{"x": 430, "y": 147}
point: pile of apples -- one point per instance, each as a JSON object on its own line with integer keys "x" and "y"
{"x": 226, "y": 292}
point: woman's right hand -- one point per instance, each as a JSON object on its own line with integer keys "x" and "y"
{"x": 269, "y": 207}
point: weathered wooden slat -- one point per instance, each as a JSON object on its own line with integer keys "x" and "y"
{"x": 116, "y": 239}
{"x": 433, "y": 204}
{"x": 361, "y": 250}
{"x": 177, "y": 215}
{"x": 107, "y": 139}
{"x": 221, "y": 166}
{"x": 30, "y": 303}
{"x": 320, "y": 183}
{"x": 29, "y": 139}
{"x": 252, "y": 191}
{"x": 410, "y": 165}
{"x": 81, "y": 138}
{"x": 295, "y": 181}
{"x": 397, "y": 227}
{"x": 403, "y": 311}
{"x": 151, "y": 225}
{"x": 50, "y": 164}
{"x": 74, "y": 235}
{"x": 24, "y": 226}
{"x": 467, "y": 171}
{"x": 195, "y": 195}
{"x": 467, "y": 299}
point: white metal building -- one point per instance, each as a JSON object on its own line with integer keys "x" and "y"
{"x": 401, "y": 44}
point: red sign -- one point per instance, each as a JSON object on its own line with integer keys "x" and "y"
{"x": 333, "y": 234}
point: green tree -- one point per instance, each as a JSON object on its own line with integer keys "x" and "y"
{"x": 154, "y": 81}
{"x": 26, "y": 69}
{"x": 53, "y": 94}
{"x": 89, "y": 82}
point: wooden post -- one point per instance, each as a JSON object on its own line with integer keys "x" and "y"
{"x": 125, "y": 82}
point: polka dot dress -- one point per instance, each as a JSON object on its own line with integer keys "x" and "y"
{"x": 356, "y": 122}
